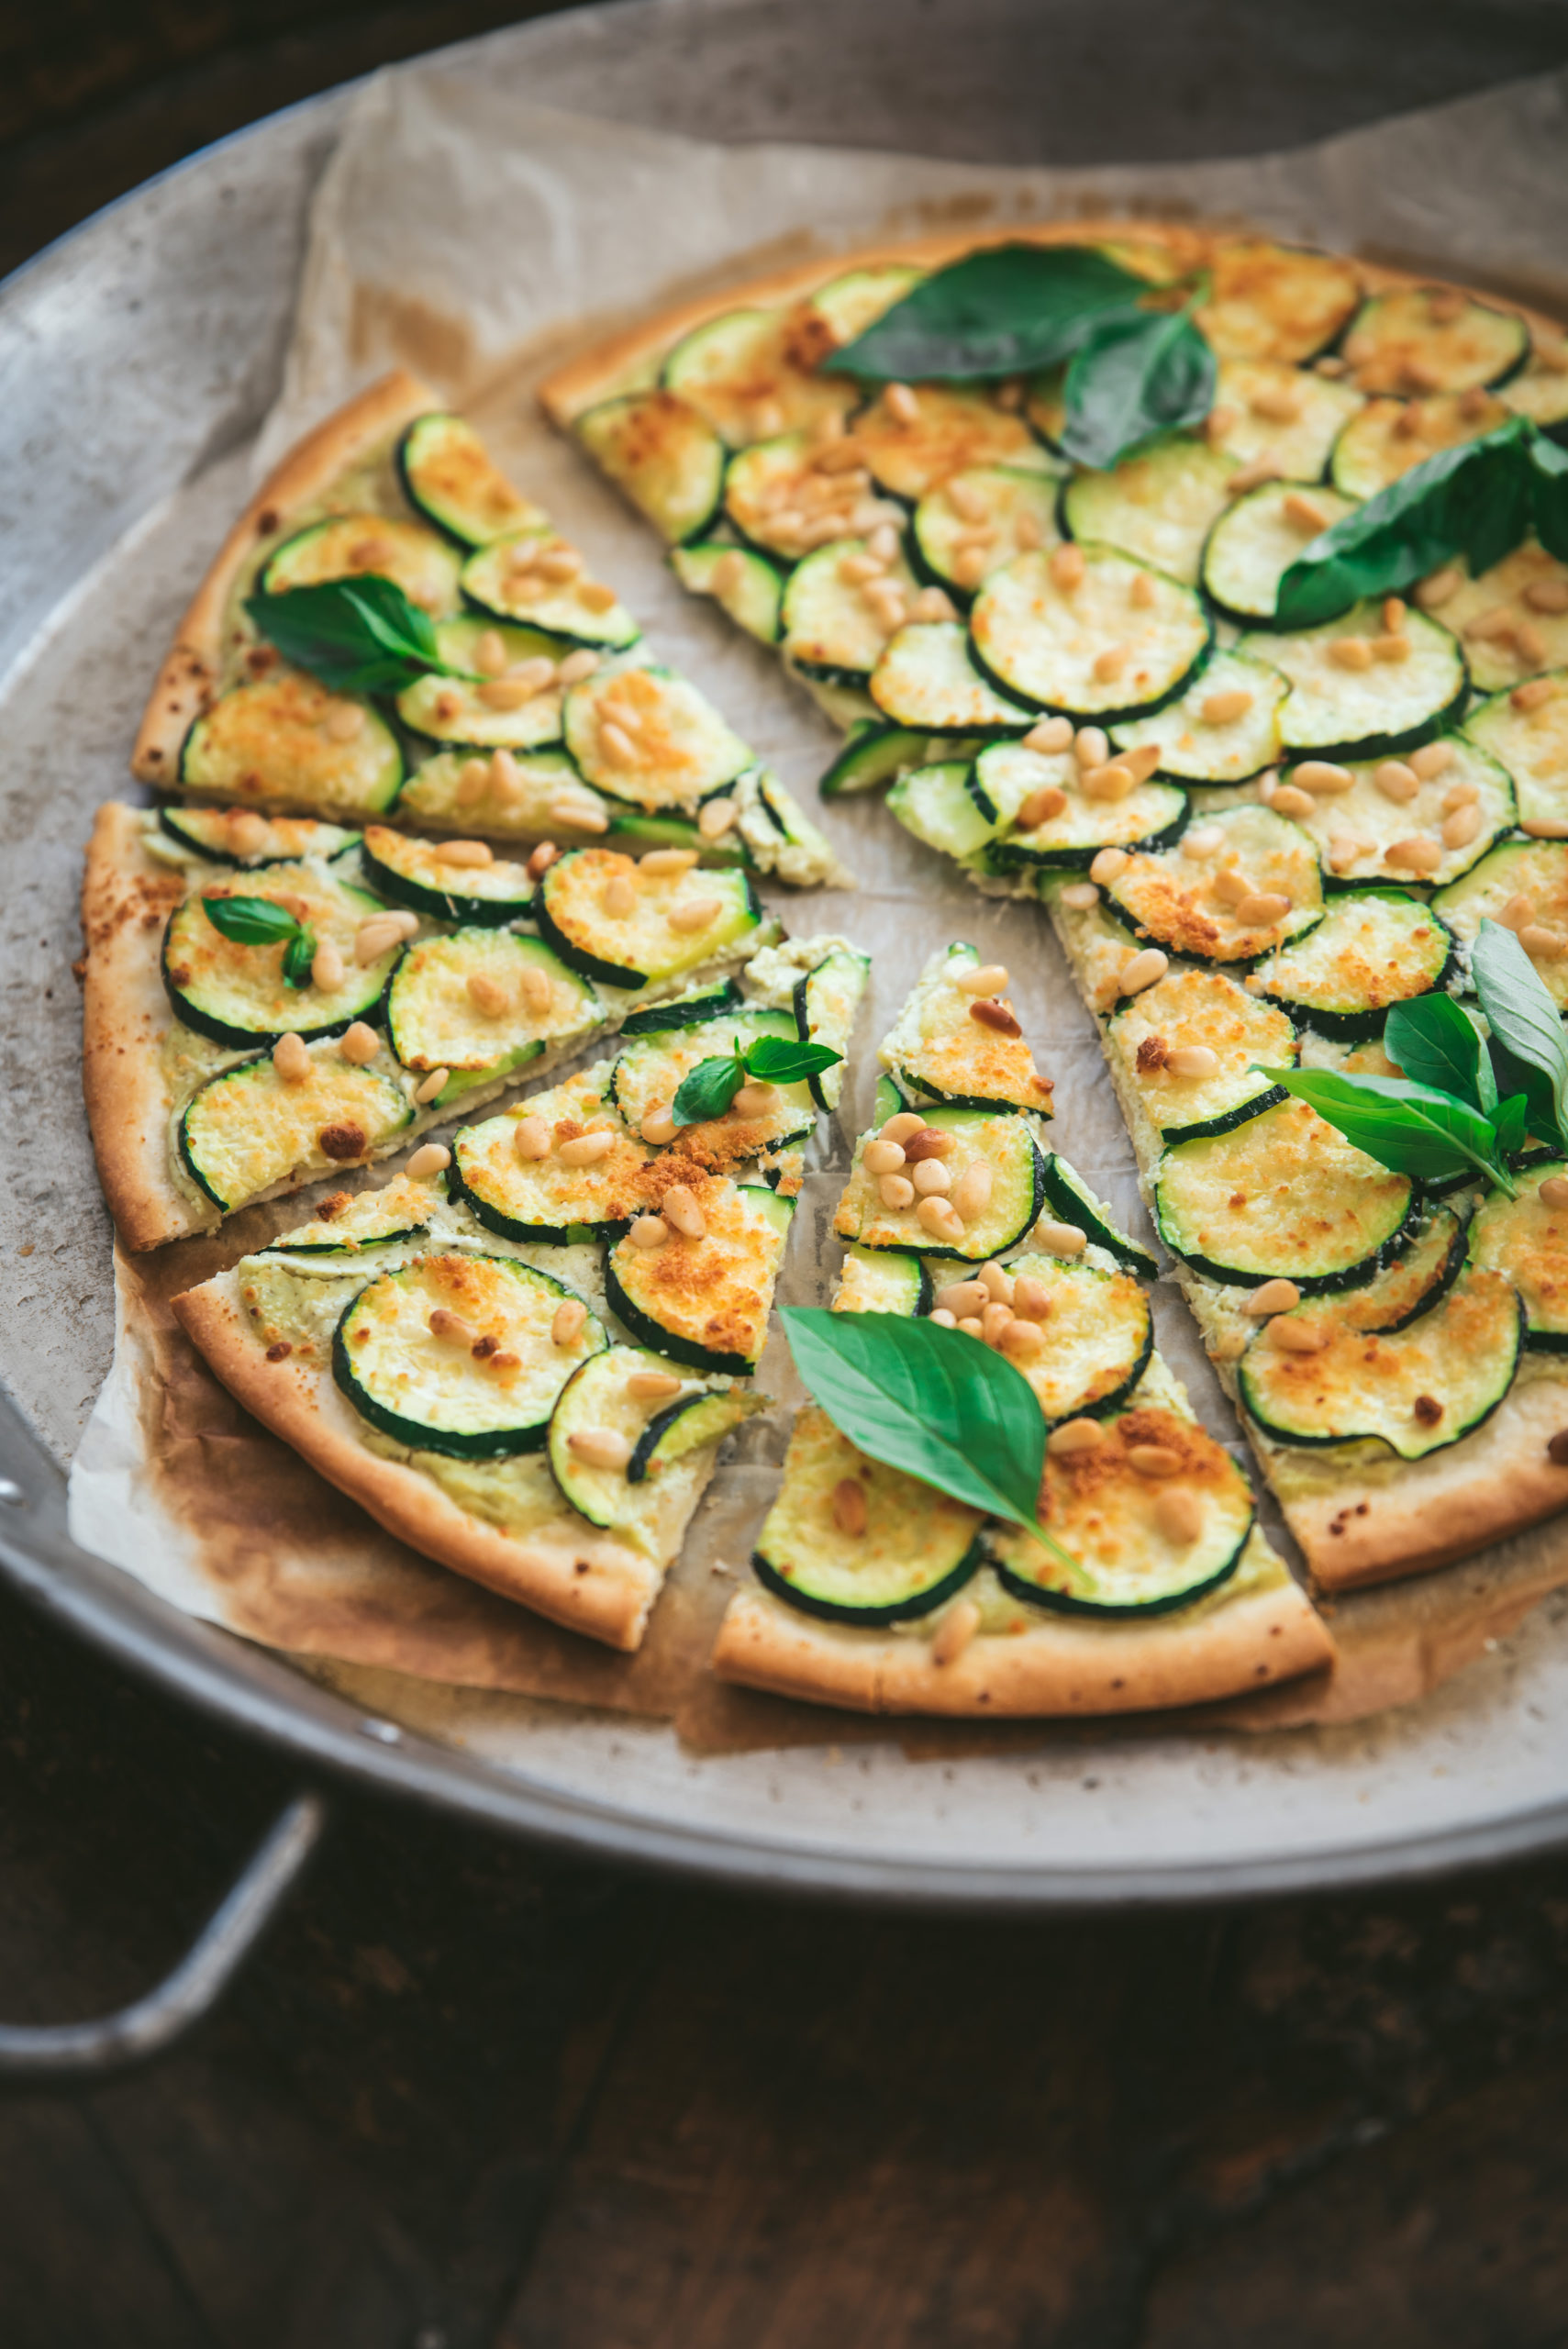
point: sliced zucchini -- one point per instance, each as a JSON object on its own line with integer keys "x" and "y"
{"x": 649, "y": 1071}
{"x": 528, "y": 796}
{"x": 1362, "y": 834}
{"x": 1187, "y": 1007}
{"x": 467, "y": 710}
{"x": 1232, "y": 744}
{"x": 239, "y": 836}
{"x": 1416, "y": 1390}
{"x": 1106, "y": 1514}
{"x": 238, "y": 994}
{"x": 1532, "y": 744}
{"x": 1157, "y": 506}
{"x": 710, "y": 1000}
{"x": 1338, "y": 712}
{"x": 1088, "y": 651}
{"x": 925, "y": 678}
{"x": 736, "y": 371}
{"x": 936, "y": 803}
{"x": 1429, "y": 338}
{"x": 938, "y": 1050}
{"x": 633, "y": 950}
{"x": 953, "y": 429}
{"x": 1285, "y": 415}
{"x": 1069, "y": 1198}
{"x": 872, "y": 1282}
{"x": 1253, "y": 545}
{"x": 1527, "y": 1240}
{"x": 1284, "y": 1195}
{"x": 1279, "y": 302}
{"x": 278, "y": 743}
{"x": 1182, "y": 904}
{"x": 1540, "y": 389}
{"x": 779, "y": 836}
{"x": 1099, "y": 1337}
{"x": 1536, "y": 870}
{"x": 648, "y": 737}
{"x": 413, "y": 873}
{"x": 345, "y": 1222}
{"x": 843, "y": 309}
{"x": 874, "y": 755}
{"x": 980, "y": 520}
{"x": 546, "y": 1199}
{"x": 782, "y": 501}
{"x": 439, "y": 1011}
{"x": 1389, "y": 436}
{"x": 706, "y": 1302}
{"x": 1005, "y": 1144}
{"x": 353, "y": 546}
{"x": 831, "y": 632}
{"x": 504, "y": 580}
{"x": 1405, "y": 1289}
{"x": 1151, "y": 816}
{"x": 1526, "y": 596}
{"x": 661, "y": 455}
{"x": 1372, "y": 949}
{"x": 917, "y": 1548}
{"x": 245, "y": 1131}
{"x": 826, "y": 1002}
{"x": 597, "y": 1400}
{"x": 485, "y": 1399}
{"x": 452, "y": 479}
{"x": 746, "y": 586}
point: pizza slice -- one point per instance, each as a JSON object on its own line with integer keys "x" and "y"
{"x": 869, "y": 1590}
{"x": 522, "y": 1359}
{"x": 539, "y": 712}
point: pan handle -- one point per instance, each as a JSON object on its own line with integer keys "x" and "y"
{"x": 60, "y": 2052}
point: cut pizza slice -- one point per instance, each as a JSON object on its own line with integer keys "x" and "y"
{"x": 534, "y": 712}
{"x": 873, "y": 1590}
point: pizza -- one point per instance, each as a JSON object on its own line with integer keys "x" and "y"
{"x": 522, "y": 1355}
{"x": 1253, "y": 839}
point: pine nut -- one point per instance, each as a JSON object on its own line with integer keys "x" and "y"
{"x": 1430, "y": 760}
{"x": 1518, "y": 913}
{"x": 1219, "y": 422}
{"x": 576, "y": 667}
{"x": 1142, "y": 592}
{"x": 883, "y": 1157}
{"x": 1262, "y": 911}
{"x": 1029, "y": 531}
{"x": 994, "y": 1320}
{"x": 942, "y": 1319}
{"x": 1109, "y": 665}
{"x": 1538, "y": 690}
{"x": 967, "y": 502}
{"x": 1231, "y": 886}
{"x": 930, "y": 1178}
{"x": 1545, "y": 827}
{"x": 1032, "y": 1299}
{"x": 532, "y": 1137}
{"x": 729, "y": 573}
{"x": 755, "y": 1100}
{"x": 1202, "y": 841}
{"x": 1531, "y": 646}
{"x": 327, "y": 969}
{"x": 1267, "y": 787}
{"x": 1154, "y": 1459}
{"x": 586, "y": 1150}
{"x": 714, "y": 817}
{"x": 932, "y": 603}
{"x": 1461, "y": 794}
{"x": 957, "y": 1628}
{"x": 430, "y": 1086}
{"x": 1107, "y": 863}
{"x": 1548, "y": 595}
{"x": 1108, "y": 784}
{"x": 1276, "y": 402}
{"x": 963, "y": 1297}
{"x": 939, "y": 1217}
{"x": 1264, "y": 467}
{"x": 375, "y": 938}
{"x": 1304, "y": 513}
{"x": 901, "y": 1125}
{"x": 986, "y": 978}
{"x": 1320, "y": 776}
{"x": 1225, "y": 708}
{"x": 969, "y": 566}
{"x": 1290, "y": 1337}
{"x": 599, "y": 1447}
{"x": 1091, "y": 746}
{"x": 344, "y": 721}
{"x": 662, "y": 861}
{"x": 1291, "y": 802}
{"x": 1140, "y": 971}
{"x": 1461, "y": 828}
{"x": 1439, "y": 587}
{"x": 901, "y": 404}
{"x": 537, "y": 993}
{"x": 1051, "y": 735}
{"x": 1395, "y": 780}
{"x": 971, "y": 1192}
{"x": 997, "y": 1283}
{"x": 1074, "y": 1437}
{"x": 431, "y": 1158}
{"x": 359, "y": 1044}
{"x": 290, "y": 1058}
{"x": 469, "y": 854}
{"x": 451, "y": 1327}
{"x": 578, "y": 815}
{"x": 1273, "y": 1297}
{"x": 895, "y": 1191}
{"x": 1067, "y": 567}
{"x": 490, "y": 996}
{"x": 1193, "y": 1060}
{"x": 658, "y": 1126}
{"x": 1541, "y": 942}
{"x": 680, "y": 1211}
{"x": 621, "y": 898}
{"x": 1061, "y": 1238}
{"x": 1141, "y": 761}
{"x": 849, "y": 1514}
{"x": 883, "y": 541}
{"x": 1489, "y": 626}
{"x": 649, "y": 1232}
{"x": 504, "y": 693}
{"x": 1553, "y": 1192}
{"x": 930, "y": 1141}
{"x": 1080, "y": 896}
{"x": 1390, "y": 647}
{"x": 1416, "y": 855}
{"x": 1178, "y": 1514}
{"x": 617, "y": 744}
{"x": 1350, "y": 651}
{"x": 652, "y": 1385}
{"x": 696, "y": 914}
{"x": 541, "y": 859}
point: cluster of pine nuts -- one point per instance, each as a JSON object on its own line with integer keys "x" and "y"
{"x": 379, "y": 933}
{"x": 534, "y": 1138}
{"x": 680, "y": 1212}
{"x": 1540, "y": 941}
{"x": 1178, "y": 1511}
{"x": 978, "y": 547}
{"x": 686, "y": 916}
{"x": 543, "y": 564}
{"x": 1001, "y": 1311}
{"x": 905, "y": 1162}
{"x": 830, "y": 496}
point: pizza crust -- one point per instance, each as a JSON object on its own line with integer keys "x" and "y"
{"x": 585, "y": 1580}
{"x": 189, "y": 676}
{"x": 1062, "y": 1666}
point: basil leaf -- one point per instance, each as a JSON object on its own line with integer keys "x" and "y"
{"x": 1132, "y": 377}
{"x": 773, "y": 1060}
{"x": 251, "y": 921}
{"x": 1523, "y": 1018}
{"x": 298, "y": 956}
{"x": 934, "y": 1402}
{"x": 1474, "y": 499}
{"x": 1549, "y": 483}
{"x": 997, "y": 312}
{"x": 1437, "y": 1043}
{"x": 1510, "y": 1123}
{"x": 1410, "y": 1128}
{"x": 358, "y": 636}
{"x": 708, "y": 1091}
{"x": 1532, "y": 1087}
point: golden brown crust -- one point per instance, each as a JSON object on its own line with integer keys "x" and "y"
{"x": 1060, "y": 1667}
{"x": 594, "y": 1586}
{"x": 191, "y": 667}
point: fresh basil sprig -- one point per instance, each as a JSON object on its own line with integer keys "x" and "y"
{"x": 1006, "y": 311}
{"x": 358, "y": 636}
{"x": 259, "y": 921}
{"x": 1527, "y": 1049}
{"x": 933, "y": 1402}
{"x": 1133, "y": 376}
{"x": 1410, "y": 1128}
{"x": 712, "y": 1085}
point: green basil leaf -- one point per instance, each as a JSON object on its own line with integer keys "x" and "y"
{"x": 1437, "y": 1043}
{"x": 1410, "y": 1128}
{"x": 298, "y": 956}
{"x": 1533, "y": 1088}
{"x": 1474, "y": 499}
{"x": 1522, "y": 1015}
{"x": 708, "y": 1091}
{"x": 934, "y": 1402}
{"x": 251, "y": 921}
{"x": 1001, "y": 311}
{"x": 1549, "y": 483}
{"x": 358, "y": 636}
{"x": 773, "y": 1060}
{"x": 1510, "y": 1123}
{"x": 1132, "y": 377}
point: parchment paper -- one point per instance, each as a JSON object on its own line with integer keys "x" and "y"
{"x": 476, "y": 237}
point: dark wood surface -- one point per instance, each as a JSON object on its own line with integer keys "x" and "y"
{"x": 468, "y": 2096}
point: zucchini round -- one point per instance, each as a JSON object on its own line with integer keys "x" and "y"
{"x": 452, "y": 479}
{"x": 1537, "y": 869}
{"x": 543, "y": 1200}
{"x": 740, "y": 373}
{"x": 238, "y": 994}
{"x": 239, "y": 836}
{"x": 1338, "y": 713}
{"x": 1379, "y": 445}
{"x": 952, "y": 428}
{"x": 1152, "y": 816}
{"x": 1158, "y": 505}
{"x": 530, "y": 795}
{"x": 706, "y": 1302}
{"x": 1251, "y": 416}
{"x": 936, "y": 805}
{"x": 499, "y": 580}
{"x": 1087, "y": 650}
{"x": 483, "y": 1001}
{"x": 1232, "y": 745}
{"x": 488, "y": 1399}
{"x": 1403, "y": 1289}
{"x": 1278, "y": 301}
{"x": 1178, "y": 901}
{"x": 245, "y": 1131}
{"x": 1372, "y": 948}
{"x": 924, "y": 678}
{"x": 1429, "y": 339}
{"x": 661, "y": 455}
{"x": 831, "y": 631}
{"x": 1253, "y": 545}
{"x": 939, "y": 1052}
{"x": 1005, "y": 1144}
{"x": 595, "y": 1397}
{"x": 873, "y": 1281}
{"x": 1362, "y": 834}
{"x": 355, "y": 546}
{"x": 1099, "y": 1337}
{"x": 413, "y": 873}
{"x": 1191, "y": 1007}
{"x": 647, "y": 737}
{"x": 1527, "y": 1240}
{"x": 1538, "y": 640}
{"x": 874, "y": 755}
{"x": 636, "y": 949}
{"x": 268, "y": 745}
{"x": 744, "y": 584}
{"x": 978, "y": 520}
{"x": 347, "y": 1223}
{"x": 1531, "y": 745}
